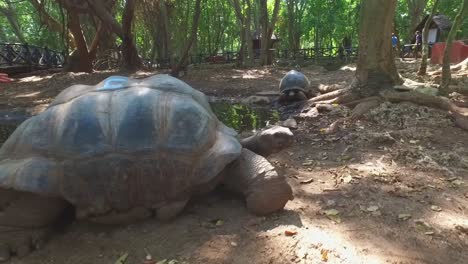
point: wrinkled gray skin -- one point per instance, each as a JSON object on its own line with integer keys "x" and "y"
{"x": 295, "y": 86}
{"x": 125, "y": 150}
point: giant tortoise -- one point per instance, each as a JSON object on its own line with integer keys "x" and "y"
{"x": 124, "y": 150}
{"x": 295, "y": 86}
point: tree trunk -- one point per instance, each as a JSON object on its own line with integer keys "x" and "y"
{"x": 267, "y": 29}
{"x": 49, "y": 22}
{"x": 131, "y": 61}
{"x": 166, "y": 36}
{"x": 415, "y": 10}
{"x": 80, "y": 61}
{"x": 291, "y": 22}
{"x": 446, "y": 76}
{"x": 10, "y": 13}
{"x": 99, "y": 9}
{"x": 182, "y": 62}
{"x": 376, "y": 68}
{"x": 425, "y": 46}
{"x": 241, "y": 20}
{"x": 248, "y": 34}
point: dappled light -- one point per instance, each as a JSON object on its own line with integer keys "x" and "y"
{"x": 33, "y": 79}
{"x": 263, "y": 132}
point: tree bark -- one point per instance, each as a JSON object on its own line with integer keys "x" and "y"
{"x": 131, "y": 61}
{"x": 415, "y": 10}
{"x": 446, "y": 75}
{"x": 425, "y": 46}
{"x": 196, "y": 17}
{"x": 267, "y": 28}
{"x": 81, "y": 60}
{"x": 376, "y": 68}
{"x": 99, "y": 9}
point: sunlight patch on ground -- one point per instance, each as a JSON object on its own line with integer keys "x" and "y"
{"x": 348, "y": 68}
{"x": 28, "y": 94}
{"x": 318, "y": 245}
{"x": 34, "y": 79}
{"x": 250, "y": 74}
{"x": 375, "y": 167}
{"x": 448, "y": 220}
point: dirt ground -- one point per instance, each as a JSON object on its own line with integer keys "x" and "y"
{"x": 389, "y": 188}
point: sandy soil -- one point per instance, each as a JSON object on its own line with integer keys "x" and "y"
{"x": 390, "y": 188}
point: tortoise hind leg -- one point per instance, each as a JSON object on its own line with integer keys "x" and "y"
{"x": 25, "y": 221}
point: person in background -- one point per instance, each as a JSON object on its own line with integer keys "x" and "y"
{"x": 395, "y": 43}
{"x": 418, "y": 43}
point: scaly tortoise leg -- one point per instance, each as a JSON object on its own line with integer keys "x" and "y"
{"x": 25, "y": 221}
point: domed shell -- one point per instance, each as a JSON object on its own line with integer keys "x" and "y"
{"x": 294, "y": 80}
{"x": 119, "y": 144}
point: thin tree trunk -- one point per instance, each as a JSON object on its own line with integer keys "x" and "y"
{"x": 131, "y": 61}
{"x": 376, "y": 68}
{"x": 415, "y": 10}
{"x": 49, "y": 22}
{"x": 291, "y": 28}
{"x": 81, "y": 61}
{"x": 248, "y": 33}
{"x": 12, "y": 18}
{"x": 267, "y": 28}
{"x": 446, "y": 76}
{"x": 425, "y": 46}
{"x": 196, "y": 17}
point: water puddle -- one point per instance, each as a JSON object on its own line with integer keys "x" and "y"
{"x": 243, "y": 118}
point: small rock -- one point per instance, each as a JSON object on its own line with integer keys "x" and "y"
{"x": 290, "y": 123}
{"x": 372, "y": 208}
{"x": 404, "y": 217}
{"x": 321, "y": 108}
{"x": 234, "y": 244}
{"x": 436, "y": 208}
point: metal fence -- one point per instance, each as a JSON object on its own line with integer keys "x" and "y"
{"x": 14, "y": 54}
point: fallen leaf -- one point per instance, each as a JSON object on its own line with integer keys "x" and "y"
{"x": 331, "y": 212}
{"x": 372, "y": 208}
{"x": 122, "y": 259}
{"x": 429, "y": 233}
{"x": 290, "y": 232}
{"x": 324, "y": 253}
{"x": 404, "y": 217}
{"x": 333, "y": 215}
{"x": 310, "y": 180}
{"x": 436, "y": 208}
{"x": 234, "y": 244}
{"x": 219, "y": 222}
{"x": 308, "y": 163}
{"x": 457, "y": 182}
{"x": 422, "y": 226}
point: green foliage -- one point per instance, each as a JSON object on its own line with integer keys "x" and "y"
{"x": 322, "y": 23}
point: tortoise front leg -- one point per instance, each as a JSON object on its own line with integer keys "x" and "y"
{"x": 256, "y": 179}
{"x": 25, "y": 221}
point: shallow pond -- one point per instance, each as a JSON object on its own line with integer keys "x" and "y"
{"x": 243, "y": 118}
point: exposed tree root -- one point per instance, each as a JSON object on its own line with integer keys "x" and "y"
{"x": 330, "y": 95}
{"x": 362, "y": 106}
{"x": 357, "y": 112}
